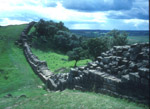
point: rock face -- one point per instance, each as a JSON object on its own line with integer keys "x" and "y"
{"x": 122, "y": 71}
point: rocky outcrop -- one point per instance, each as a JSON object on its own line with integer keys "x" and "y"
{"x": 122, "y": 71}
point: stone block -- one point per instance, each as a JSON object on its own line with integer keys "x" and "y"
{"x": 81, "y": 68}
{"x": 104, "y": 55}
{"x": 99, "y": 58}
{"x": 106, "y": 60}
{"x": 124, "y": 62}
{"x": 133, "y": 66}
{"x": 51, "y": 84}
{"x": 134, "y": 77}
{"x": 144, "y": 72}
{"x": 98, "y": 68}
{"x": 144, "y": 81}
{"x": 125, "y": 78}
{"x": 122, "y": 67}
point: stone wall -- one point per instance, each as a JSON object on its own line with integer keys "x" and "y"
{"x": 39, "y": 67}
{"x": 122, "y": 71}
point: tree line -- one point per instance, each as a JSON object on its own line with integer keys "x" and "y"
{"x": 52, "y": 35}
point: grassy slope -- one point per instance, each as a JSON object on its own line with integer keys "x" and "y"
{"x": 17, "y": 78}
{"x": 58, "y": 62}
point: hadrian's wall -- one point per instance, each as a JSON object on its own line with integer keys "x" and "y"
{"x": 122, "y": 71}
{"x": 39, "y": 67}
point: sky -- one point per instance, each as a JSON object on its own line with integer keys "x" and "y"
{"x": 79, "y": 14}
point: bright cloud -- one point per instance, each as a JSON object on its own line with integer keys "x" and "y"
{"x": 76, "y": 15}
{"x": 7, "y": 21}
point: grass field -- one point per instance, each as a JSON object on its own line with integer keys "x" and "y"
{"x": 27, "y": 90}
{"x": 138, "y": 39}
{"x": 58, "y": 63}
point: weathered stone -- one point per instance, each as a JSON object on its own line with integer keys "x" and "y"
{"x": 51, "y": 84}
{"x": 74, "y": 72}
{"x": 104, "y": 55}
{"x": 117, "y": 48}
{"x": 119, "y": 53}
{"x": 98, "y": 68}
{"x": 81, "y": 68}
{"x": 133, "y": 66}
{"x": 106, "y": 67}
{"x": 124, "y": 62}
{"x": 122, "y": 67}
{"x": 99, "y": 58}
{"x": 114, "y": 63}
{"x": 91, "y": 67}
{"x": 144, "y": 81}
{"x": 101, "y": 64}
{"x": 108, "y": 71}
{"x": 94, "y": 65}
{"x": 114, "y": 70}
{"x": 144, "y": 72}
{"x": 125, "y": 48}
{"x": 125, "y": 78}
{"x": 134, "y": 77}
{"x": 106, "y": 60}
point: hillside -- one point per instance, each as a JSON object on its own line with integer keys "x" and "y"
{"x": 21, "y": 88}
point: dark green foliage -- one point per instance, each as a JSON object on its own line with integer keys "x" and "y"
{"x": 49, "y": 34}
{"x": 66, "y": 41}
{"x": 97, "y": 45}
{"x": 76, "y": 54}
{"x": 118, "y": 38}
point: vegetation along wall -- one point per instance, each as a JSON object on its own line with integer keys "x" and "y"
{"x": 122, "y": 71}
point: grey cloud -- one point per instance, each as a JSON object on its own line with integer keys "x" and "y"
{"x": 97, "y": 5}
{"x": 139, "y": 11}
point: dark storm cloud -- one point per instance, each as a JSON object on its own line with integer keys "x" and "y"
{"x": 97, "y": 5}
{"x": 129, "y": 15}
{"x": 140, "y": 10}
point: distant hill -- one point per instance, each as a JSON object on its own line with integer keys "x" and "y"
{"x": 97, "y": 33}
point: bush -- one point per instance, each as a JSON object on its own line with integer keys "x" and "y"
{"x": 118, "y": 38}
{"x": 97, "y": 45}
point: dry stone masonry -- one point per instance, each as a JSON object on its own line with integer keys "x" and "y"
{"x": 39, "y": 67}
{"x": 123, "y": 71}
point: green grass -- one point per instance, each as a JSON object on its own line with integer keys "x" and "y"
{"x": 17, "y": 78}
{"x": 68, "y": 99}
{"x": 15, "y": 72}
{"x": 58, "y": 62}
{"x": 138, "y": 39}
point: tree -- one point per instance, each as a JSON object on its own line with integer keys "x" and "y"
{"x": 97, "y": 45}
{"x": 76, "y": 54}
{"x": 118, "y": 38}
